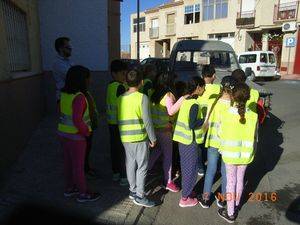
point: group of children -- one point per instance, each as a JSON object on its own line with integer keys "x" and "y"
{"x": 146, "y": 117}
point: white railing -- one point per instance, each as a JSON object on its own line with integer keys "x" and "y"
{"x": 16, "y": 36}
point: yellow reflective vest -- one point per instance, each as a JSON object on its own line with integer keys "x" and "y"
{"x": 159, "y": 114}
{"x": 237, "y": 139}
{"x": 66, "y": 124}
{"x": 252, "y": 102}
{"x": 182, "y": 133}
{"x": 209, "y": 96}
{"x": 212, "y": 138}
{"x": 111, "y": 102}
{"x": 131, "y": 125}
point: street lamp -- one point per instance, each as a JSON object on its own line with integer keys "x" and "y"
{"x": 138, "y": 30}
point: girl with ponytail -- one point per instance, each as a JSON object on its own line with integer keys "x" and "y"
{"x": 237, "y": 135}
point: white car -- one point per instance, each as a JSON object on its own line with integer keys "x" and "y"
{"x": 262, "y": 63}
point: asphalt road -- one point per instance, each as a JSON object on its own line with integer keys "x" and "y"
{"x": 273, "y": 174}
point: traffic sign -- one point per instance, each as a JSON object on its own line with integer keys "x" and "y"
{"x": 290, "y": 42}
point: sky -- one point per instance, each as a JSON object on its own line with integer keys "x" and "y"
{"x": 127, "y": 8}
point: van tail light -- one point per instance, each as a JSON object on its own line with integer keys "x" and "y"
{"x": 258, "y": 68}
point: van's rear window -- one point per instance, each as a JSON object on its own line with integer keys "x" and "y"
{"x": 271, "y": 58}
{"x": 247, "y": 58}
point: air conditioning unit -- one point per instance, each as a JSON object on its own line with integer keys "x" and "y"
{"x": 290, "y": 26}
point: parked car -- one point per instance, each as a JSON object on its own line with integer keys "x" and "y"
{"x": 262, "y": 63}
{"x": 131, "y": 63}
{"x": 188, "y": 57}
{"x": 162, "y": 64}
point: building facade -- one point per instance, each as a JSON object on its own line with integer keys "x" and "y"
{"x": 244, "y": 24}
{"x": 28, "y": 29}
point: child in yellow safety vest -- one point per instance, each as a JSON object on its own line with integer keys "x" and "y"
{"x": 137, "y": 134}
{"x": 211, "y": 93}
{"x": 115, "y": 89}
{"x": 237, "y": 131}
{"x": 189, "y": 134}
{"x": 163, "y": 108}
{"x": 73, "y": 129}
{"x": 149, "y": 76}
{"x": 212, "y": 143}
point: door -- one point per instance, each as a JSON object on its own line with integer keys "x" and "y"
{"x": 272, "y": 64}
{"x": 263, "y": 64}
{"x": 144, "y": 51}
{"x": 297, "y": 57}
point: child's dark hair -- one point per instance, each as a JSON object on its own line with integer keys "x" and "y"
{"x": 76, "y": 80}
{"x": 227, "y": 84}
{"x": 60, "y": 42}
{"x": 117, "y": 66}
{"x": 239, "y": 75}
{"x": 134, "y": 77}
{"x": 164, "y": 84}
{"x": 208, "y": 71}
{"x": 241, "y": 94}
{"x": 193, "y": 83}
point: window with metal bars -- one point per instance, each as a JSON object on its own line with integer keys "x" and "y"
{"x": 16, "y": 32}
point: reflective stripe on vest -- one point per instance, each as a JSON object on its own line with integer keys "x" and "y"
{"x": 131, "y": 125}
{"x": 111, "y": 102}
{"x": 183, "y": 134}
{"x": 236, "y": 155}
{"x": 66, "y": 123}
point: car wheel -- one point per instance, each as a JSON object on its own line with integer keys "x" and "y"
{"x": 252, "y": 77}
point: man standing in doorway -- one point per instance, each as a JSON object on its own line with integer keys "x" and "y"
{"x": 62, "y": 63}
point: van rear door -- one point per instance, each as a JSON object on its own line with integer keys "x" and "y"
{"x": 263, "y": 64}
{"x": 272, "y": 64}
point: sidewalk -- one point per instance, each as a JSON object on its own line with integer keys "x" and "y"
{"x": 290, "y": 77}
{"x": 37, "y": 178}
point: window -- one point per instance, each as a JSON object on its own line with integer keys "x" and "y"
{"x": 197, "y": 13}
{"x": 221, "y": 8}
{"x": 221, "y": 35}
{"x": 183, "y": 56}
{"x": 272, "y": 58}
{"x": 196, "y": 59}
{"x": 188, "y": 14}
{"x": 192, "y": 14}
{"x": 247, "y": 58}
{"x": 142, "y": 24}
{"x": 208, "y": 9}
{"x": 215, "y": 9}
{"x": 16, "y": 36}
{"x": 263, "y": 58}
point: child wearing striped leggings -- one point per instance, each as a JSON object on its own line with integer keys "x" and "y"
{"x": 189, "y": 134}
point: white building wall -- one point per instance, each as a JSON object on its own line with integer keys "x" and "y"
{"x": 85, "y": 23}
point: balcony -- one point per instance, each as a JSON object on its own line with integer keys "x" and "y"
{"x": 245, "y": 19}
{"x": 154, "y": 32}
{"x": 286, "y": 11}
{"x": 171, "y": 29}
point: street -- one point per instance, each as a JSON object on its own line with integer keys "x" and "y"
{"x": 274, "y": 172}
{"x": 272, "y": 180}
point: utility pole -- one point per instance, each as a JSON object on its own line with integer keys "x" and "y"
{"x": 138, "y": 31}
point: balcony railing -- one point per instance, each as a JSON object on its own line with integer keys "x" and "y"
{"x": 286, "y": 11}
{"x": 245, "y": 19}
{"x": 154, "y": 32}
{"x": 171, "y": 29}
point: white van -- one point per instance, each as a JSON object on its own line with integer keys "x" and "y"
{"x": 262, "y": 63}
